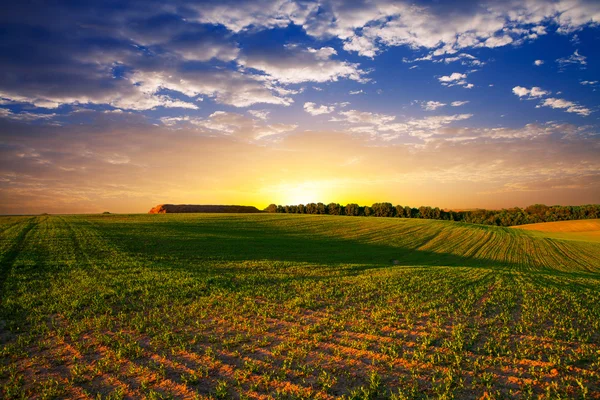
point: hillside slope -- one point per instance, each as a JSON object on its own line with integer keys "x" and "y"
{"x": 350, "y": 240}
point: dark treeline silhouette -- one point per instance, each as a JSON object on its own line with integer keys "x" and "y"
{"x": 505, "y": 217}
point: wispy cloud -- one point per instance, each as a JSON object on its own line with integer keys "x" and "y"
{"x": 567, "y": 105}
{"x": 573, "y": 59}
{"x": 432, "y": 105}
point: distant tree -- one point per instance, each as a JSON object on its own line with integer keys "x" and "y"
{"x": 424, "y": 212}
{"x": 383, "y": 210}
{"x": 399, "y": 211}
{"x": 505, "y": 217}
{"x": 352, "y": 209}
{"x": 321, "y": 209}
{"x": 334, "y": 209}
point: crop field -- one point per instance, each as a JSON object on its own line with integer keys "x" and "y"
{"x": 294, "y": 306}
{"x": 586, "y": 229}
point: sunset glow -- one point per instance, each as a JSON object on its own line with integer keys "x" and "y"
{"x": 450, "y": 104}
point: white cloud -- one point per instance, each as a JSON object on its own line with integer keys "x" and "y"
{"x": 260, "y": 114}
{"x": 497, "y": 41}
{"x": 362, "y": 46}
{"x": 386, "y": 128}
{"x": 573, "y": 59}
{"x": 363, "y": 117}
{"x": 367, "y": 26}
{"x": 226, "y": 87}
{"x": 534, "y": 92}
{"x": 455, "y": 79}
{"x": 296, "y": 65}
{"x": 198, "y": 50}
{"x": 313, "y": 109}
{"x": 25, "y": 116}
{"x": 538, "y": 62}
{"x": 459, "y": 103}
{"x": 231, "y": 124}
{"x": 141, "y": 90}
{"x": 456, "y": 76}
{"x": 241, "y": 15}
{"x": 354, "y": 92}
{"x": 589, "y": 83}
{"x": 569, "y": 106}
{"x": 432, "y": 105}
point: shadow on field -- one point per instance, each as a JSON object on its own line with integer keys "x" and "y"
{"x": 9, "y": 257}
{"x": 185, "y": 245}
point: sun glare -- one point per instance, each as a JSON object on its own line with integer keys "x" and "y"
{"x": 300, "y": 193}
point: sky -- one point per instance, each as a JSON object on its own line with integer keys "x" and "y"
{"x": 121, "y": 105}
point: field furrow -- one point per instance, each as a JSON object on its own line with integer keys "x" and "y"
{"x": 286, "y": 306}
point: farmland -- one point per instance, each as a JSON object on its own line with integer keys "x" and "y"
{"x": 586, "y": 230}
{"x": 294, "y": 306}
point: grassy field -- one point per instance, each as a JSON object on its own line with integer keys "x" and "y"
{"x": 294, "y": 306}
{"x": 586, "y": 229}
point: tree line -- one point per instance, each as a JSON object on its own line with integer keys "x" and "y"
{"x": 505, "y": 217}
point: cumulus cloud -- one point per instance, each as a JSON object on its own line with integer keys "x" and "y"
{"x": 534, "y": 92}
{"x": 497, "y": 41}
{"x": 313, "y": 109}
{"x": 174, "y": 35}
{"x": 226, "y": 87}
{"x": 362, "y": 46}
{"x": 446, "y": 29}
{"x": 455, "y": 79}
{"x": 246, "y": 14}
{"x": 537, "y": 63}
{"x": 201, "y": 48}
{"x": 293, "y": 64}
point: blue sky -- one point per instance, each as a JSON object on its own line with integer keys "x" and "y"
{"x": 452, "y": 104}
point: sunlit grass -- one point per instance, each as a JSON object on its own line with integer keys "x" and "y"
{"x": 293, "y": 306}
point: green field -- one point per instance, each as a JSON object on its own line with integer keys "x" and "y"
{"x": 294, "y": 306}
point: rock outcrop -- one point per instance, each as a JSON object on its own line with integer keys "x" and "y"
{"x": 191, "y": 208}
